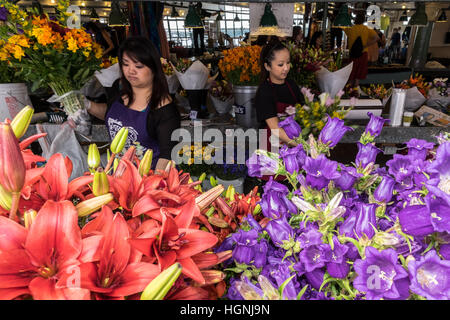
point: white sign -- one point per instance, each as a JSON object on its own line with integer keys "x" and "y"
{"x": 74, "y": 20}
{"x": 284, "y": 12}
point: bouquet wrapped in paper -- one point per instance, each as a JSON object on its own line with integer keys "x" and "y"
{"x": 333, "y": 82}
{"x": 416, "y": 92}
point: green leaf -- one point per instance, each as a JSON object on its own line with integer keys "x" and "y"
{"x": 302, "y": 292}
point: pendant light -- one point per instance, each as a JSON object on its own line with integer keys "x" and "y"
{"x": 268, "y": 19}
{"x": 419, "y": 18}
{"x": 219, "y": 17}
{"x": 174, "y": 13}
{"x": 115, "y": 17}
{"x": 343, "y": 19}
{"x": 442, "y": 17}
{"x": 193, "y": 20}
{"x": 404, "y": 16}
{"x": 236, "y": 19}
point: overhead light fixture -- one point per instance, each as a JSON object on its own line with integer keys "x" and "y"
{"x": 116, "y": 17}
{"x": 404, "y": 16}
{"x": 83, "y": 4}
{"x": 193, "y": 20}
{"x": 419, "y": 18}
{"x": 343, "y": 19}
{"x": 268, "y": 19}
{"x": 94, "y": 16}
{"x": 219, "y": 17}
{"x": 442, "y": 17}
{"x": 174, "y": 13}
{"x": 236, "y": 19}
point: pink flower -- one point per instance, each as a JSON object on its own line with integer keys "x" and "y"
{"x": 290, "y": 110}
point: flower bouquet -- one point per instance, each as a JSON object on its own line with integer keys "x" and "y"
{"x": 347, "y": 232}
{"x": 438, "y": 95}
{"x": 221, "y": 94}
{"x": 172, "y": 79}
{"x": 305, "y": 62}
{"x": 416, "y": 91}
{"x": 240, "y": 65}
{"x": 196, "y": 159}
{"x": 48, "y": 54}
{"x": 313, "y": 114}
{"x": 377, "y": 91}
{"x": 144, "y": 226}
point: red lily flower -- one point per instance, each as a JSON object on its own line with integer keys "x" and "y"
{"x": 176, "y": 242}
{"x": 112, "y": 275}
{"x": 32, "y": 262}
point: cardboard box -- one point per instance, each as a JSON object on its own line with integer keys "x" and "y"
{"x": 433, "y": 116}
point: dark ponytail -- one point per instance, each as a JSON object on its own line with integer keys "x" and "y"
{"x": 267, "y": 56}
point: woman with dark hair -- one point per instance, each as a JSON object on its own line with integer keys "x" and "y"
{"x": 276, "y": 92}
{"x": 316, "y": 40}
{"x": 297, "y": 35}
{"x": 102, "y": 37}
{"x": 143, "y": 103}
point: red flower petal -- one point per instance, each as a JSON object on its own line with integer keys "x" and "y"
{"x": 12, "y": 234}
{"x": 135, "y": 278}
{"x": 143, "y": 205}
{"x": 9, "y": 294}
{"x": 54, "y": 184}
{"x": 191, "y": 270}
{"x": 198, "y": 241}
{"x": 189, "y": 210}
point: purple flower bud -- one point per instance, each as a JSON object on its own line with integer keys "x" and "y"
{"x": 418, "y": 148}
{"x": 320, "y": 171}
{"x": 293, "y": 158}
{"x": 273, "y": 205}
{"x": 347, "y": 178}
{"x": 260, "y": 254}
{"x": 333, "y": 131}
{"x": 279, "y": 230}
{"x": 348, "y": 226}
{"x": 383, "y": 193}
{"x": 291, "y": 127}
{"x": 366, "y": 220}
{"x": 367, "y": 153}
{"x": 315, "y": 278}
{"x": 378, "y": 274}
{"x": 430, "y": 277}
{"x": 415, "y": 220}
{"x": 375, "y": 125}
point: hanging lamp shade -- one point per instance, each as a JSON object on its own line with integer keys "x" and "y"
{"x": 268, "y": 19}
{"x": 419, "y": 18}
{"x": 404, "y": 16}
{"x": 442, "y": 17}
{"x": 174, "y": 13}
{"x": 343, "y": 19}
{"x": 115, "y": 17}
{"x": 219, "y": 17}
{"x": 236, "y": 19}
{"x": 94, "y": 16}
{"x": 193, "y": 19}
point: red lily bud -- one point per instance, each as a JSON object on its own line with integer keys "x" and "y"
{"x": 12, "y": 166}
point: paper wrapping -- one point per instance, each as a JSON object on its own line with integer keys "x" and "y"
{"x": 333, "y": 82}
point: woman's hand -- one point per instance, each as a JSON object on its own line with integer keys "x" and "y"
{"x": 98, "y": 110}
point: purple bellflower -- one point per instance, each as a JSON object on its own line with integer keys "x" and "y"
{"x": 316, "y": 256}
{"x": 418, "y": 148}
{"x": 366, "y": 220}
{"x": 293, "y": 158}
{"x": 347, "y": 178}
{"x": 279, "y": 230}
{"x": 438, "y": 205}
{"x": 291, "y": 127}
{"x": 246, "y": 241}
{"x": 383, "y": 193}
{"x": 401, "y": 167}
{"x": 333, "y": 131}
{"x": 380, "y": 276}
{"x": 430, "y": 277}
{"x": 261, "y": 163}
{"x": 367, "y": 153}
{"x": 320, "y": 171}
{"x": 416, "y": 220}
{"x": 375, "y": 125}
{"x": 441, "y": 167}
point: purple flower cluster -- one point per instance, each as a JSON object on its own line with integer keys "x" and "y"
{"x": 350, "y": 232}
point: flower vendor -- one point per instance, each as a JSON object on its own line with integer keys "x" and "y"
{"x": 275, "y": 93}
{"x": 143, "y": 103}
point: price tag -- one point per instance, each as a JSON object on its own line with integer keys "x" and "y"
{"x": 193, "y": 115}
{"x": 238, "y": 109}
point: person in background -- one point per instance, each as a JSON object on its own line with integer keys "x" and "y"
{"x": 199, "y": 33}
{"x": 316, "y": 40}
{"x": 142, "y": 103}
{"x": 276, "y": 92}
{"x": 102, "y": 37}
{"x": 395, "y": 43}
{"x": 360, "y": 37}
{"x": 373, "y": 51}
{"x": 297, "y": 36}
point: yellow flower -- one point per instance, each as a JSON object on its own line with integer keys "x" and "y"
{"x": 3, "y": 56}
{"x": 72, "y": 44}
{"x": 18, "y": 52}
